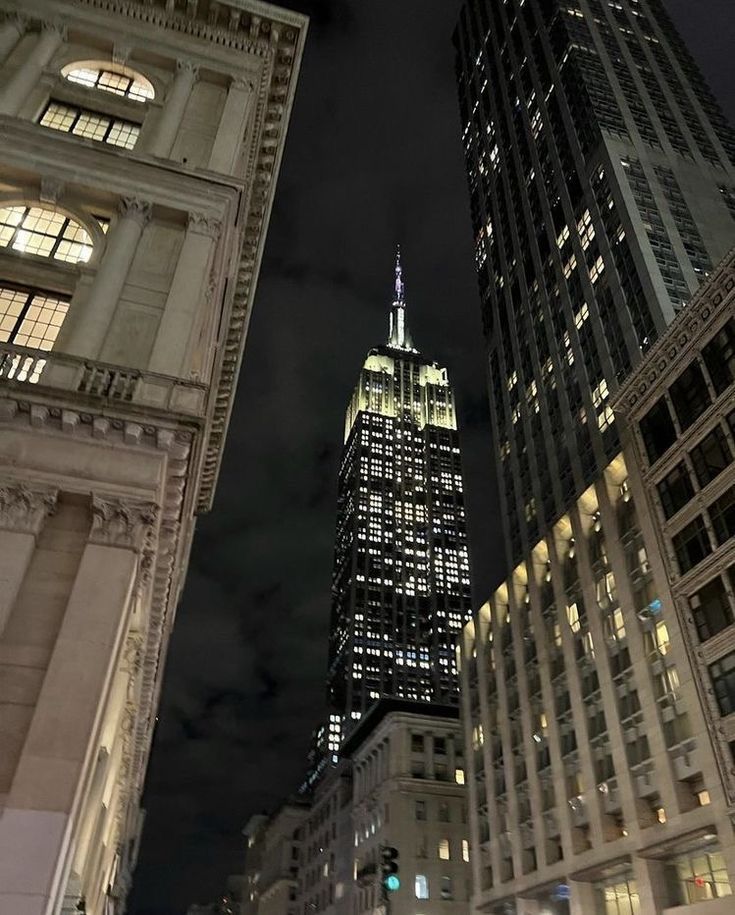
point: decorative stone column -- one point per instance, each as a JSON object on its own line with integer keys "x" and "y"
{"x": 38, "y": 829}
{"x": 11, "y": 30}
{"x": 233, "y": 122}
{"x": 22, "y": 513}
{"x": 187, "y": 296}
{"x": 16, "y": 90}
{"x": 88, "y": 326}
{"x": 161, "y": 141}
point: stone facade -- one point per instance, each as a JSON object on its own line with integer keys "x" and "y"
{"x": 400, "y": 782}
{"x": 142, "y": 141}
{"x": 685, "y": 452}
{"x": 409, "y": 793}
{"x": 597, "y": 727}
{"x": 272, "y": 861}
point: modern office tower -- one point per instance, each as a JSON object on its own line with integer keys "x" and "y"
{"x": 596, "y": 691}
{"x": 401, "y": 585}
{"x": 679, "y": 409}
{"x": 141, "y": 141}
{"x": 602, "y": 192}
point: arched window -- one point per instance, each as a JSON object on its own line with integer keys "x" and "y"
{"x": 117, "y": 80}
{"x": 44, "y": 232}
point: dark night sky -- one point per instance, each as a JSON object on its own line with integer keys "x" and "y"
{"x": 372, "y": 159}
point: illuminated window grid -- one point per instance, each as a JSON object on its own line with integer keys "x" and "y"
{"x": 107, "y": 81}
{"x": 44, "y": 232}
{"x": 29, "y": 317}
{"x": 91, "y": 125}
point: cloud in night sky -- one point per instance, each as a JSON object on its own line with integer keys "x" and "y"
{"x": 373, "y": 158}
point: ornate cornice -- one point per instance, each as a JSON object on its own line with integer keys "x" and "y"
{"x": 681, "y": 339}
{"x": 23, "y": 510}
{"x": 252, "y": 30}
{"x": 275, "y": 96}
{"x": 122, "y": 523}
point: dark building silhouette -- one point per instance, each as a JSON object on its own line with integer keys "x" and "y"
{"x": 602, "y": 192}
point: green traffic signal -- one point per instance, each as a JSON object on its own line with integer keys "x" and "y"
{"x": 392, "y": 883}
{"x": 389, "y": 868}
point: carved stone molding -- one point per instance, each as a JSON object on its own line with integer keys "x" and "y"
{"x": 51, "y": 189}
{"x": 203, "y": 224}
{"x": 239, "y": 83}
{"x": 132, "y": 656}
{"x": 146, "y": 565}
{"x": 188, "y": 67}
{"x": 56, "y": 27}
{"x": 121, "y": 52}
{"x": 18, "y": 21}
{"x": 135, "y": 208}
{"x": 24, "y": 510}
{"x": 122, "y": 523}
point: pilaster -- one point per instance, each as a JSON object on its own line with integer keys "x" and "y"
{"x": 20, "y": 84}
{"x": 161, "y": 139}
{"x": 23, "y": 511}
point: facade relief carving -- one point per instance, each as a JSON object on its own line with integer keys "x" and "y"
{"x": 137, "y": 209}
{"x": 23, "y": 509}
{"x": 203, "y": 224}
{"x": 188, "y": 67}
{"x": 122, "y": 523}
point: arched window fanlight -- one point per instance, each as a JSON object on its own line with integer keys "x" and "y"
{"x": 44, "y": 232}
{"x": 118, "y": 81}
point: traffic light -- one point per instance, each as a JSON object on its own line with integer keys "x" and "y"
{"x": 389, "y": 868}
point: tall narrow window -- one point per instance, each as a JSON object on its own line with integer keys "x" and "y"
{"x": 719, "y": 357}
{"x": 30, "y": 317}
{"x": 422, "y": 886}
{"x": 443, "y": 849}
{"x": 711, "y": 609}
{"x": 690, "y": 395}
{"x": 711, "y": 456}
{"x": 723, "y": 681}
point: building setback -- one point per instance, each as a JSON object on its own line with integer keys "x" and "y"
{"x": 596, "y": 692}
{"x": 602, "y": 191}
{"x": 401, "y": 582}
{"x": 141, "y": 141}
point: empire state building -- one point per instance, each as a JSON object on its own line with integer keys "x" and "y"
{"x": 401, "y": 581}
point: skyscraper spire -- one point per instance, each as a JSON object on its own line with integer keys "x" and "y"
{"x": 399, "y": 337}
{"x": 399, "y": 279}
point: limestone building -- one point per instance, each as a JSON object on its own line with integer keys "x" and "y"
{"x": 409, "y": 793}
{"x": 596, "y": 682}
{"x": 140, "y": 147}
{"x": 680, "y": 415}
{"x": 400, "y": 782}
